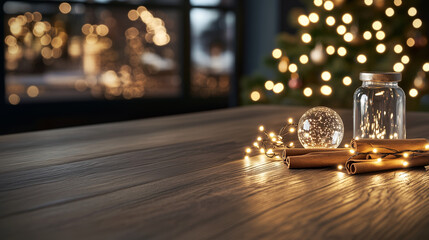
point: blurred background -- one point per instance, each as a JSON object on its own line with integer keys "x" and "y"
{"x": 84, "y": 62}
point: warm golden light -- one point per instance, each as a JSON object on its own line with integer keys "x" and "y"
{"x": 14, "y": 99}
{"x": 406, "y": 155}
{"x": 425, "y": 67}
{"x": 326, "y": 76}
{"x": 261, "y": 128}
{"x": 259, "y": 138}
{"x": 330, "y": 21}
{"x": 32, "y": 91}
{"x": 283, "y": 65}
{"x": 380, "y": 35}
{"x": 427, "y": 146}
{"x": 376, "y": 25}
{"x": 398, "y": 48}
{"x": 271, "y": 134}
{"x": 293, "y": 67}
{"x": 291, "y": 129}
{"x": 413, "y": 93}
{"x": 133, "y": 15}
{"x": 367, "y": 35}
{"x": 340, "y": 167}
{"x": 374, "y": 150}
{"x": 303, "y": 20}
{"x": 65, "y": 8}
{"x": 314, "y": 17}
{"x": 347, "y": 81}
{"x": 352, "y": 151}
{"x": 398, "y": 67}
{"x": 417, "y": 23}
{"x": 378, "y": 159}
{"x": 326, "y": 90}
{"x": 380, "y": 48}
{"x": 410, "y": 42}
{"x": 390, "y": 12}
{"x": 277, "y": 53}
{"x": 330, "y": 50}
{"x": 248, "y": 150}
{"x": 348, "y": 37}
{"x": 290, "y": 120}
{"x": 341, "y": 29}
{"x": 303, "y": 59}
{"x": 328, "y": 5}
{"x": 102, "y": 30}
{"x": 347, "y": 18}
{"x": 397, "y": 2}
{"x": 255, "y": 96}
{"x": 306, "y": 38}
{"x": 318, "y": 3}
{"x": 278, "y": 88}
{"x": 269, "y": 85}
{"x": 405, "y": 163}
{"x": 346, "y": 145}
{"x": 405, "y": 59}
{"x": 368, "y": 2}
{"x": 342, "y": 51}
{"x": 412, "y": 11}
{"x": 361, "y": 58}
{"x": 308, "y": 92}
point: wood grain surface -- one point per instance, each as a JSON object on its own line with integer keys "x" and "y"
{"x": 184, "y": 177}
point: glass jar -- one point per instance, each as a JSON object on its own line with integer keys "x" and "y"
{"x": 379, "y": 107}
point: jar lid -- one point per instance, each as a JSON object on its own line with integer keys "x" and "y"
{"x": 380, "y": 76}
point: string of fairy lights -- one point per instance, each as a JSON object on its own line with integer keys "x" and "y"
{"x": 349, "y": 33}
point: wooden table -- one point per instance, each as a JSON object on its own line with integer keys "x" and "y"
{"x": 184, "y": 177}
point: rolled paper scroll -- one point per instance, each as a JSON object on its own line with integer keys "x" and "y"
{"x": 318, "y": 159}
{"x": 356, "y": 166}
{"x": 388, "y": 145}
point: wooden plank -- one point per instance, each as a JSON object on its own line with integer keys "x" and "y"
{"x": 185, "y": 177}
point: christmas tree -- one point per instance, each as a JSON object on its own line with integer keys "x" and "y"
{"x": 335, "y": 41}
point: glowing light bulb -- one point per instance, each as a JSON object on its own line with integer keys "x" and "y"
{"x": 378, "y": 159}
{"x": 330, "y": 21}
{"x": 326, "y": 90}
{"x": 293, "y": 67}
{"x": 340, "y": 167}
{"x": 398, "y": 67}
{"x": 380, "y": 35}
{"x": 405, "y": 59}
{"x": 269, "y": 85}
{"x": 368, "y": 2}
{"x": 306, "y": 38}
{"x": 347, "y": 18}
{"x": 271, "y": 134}
{"x": 417, "y": 23}
{"x": 270, "y": 151}
{"x": 318, "y": 3}
{"x": 303, "y": 59}
{"x": 405, "y": 163}
{"x": 262, "y": 150}
{"x": 406, "y": 155}
{"x": 246, "y": 157}
{"x": 326, "y": 76}
{"x": 342, "y": 51}
{"x": 277, "y": 53}
{"x": 256, "y": 144}
{"x": 261, "y": 128}
{"x": 291, "y": 144}
{"x": 412, "y": 11}
{"x": 290, "y": 120}
{"x": 248, "y": 150}
{"x": 291, "y": 129}
{"x": 255, "y": 96}
{"x": 278, "y": 88}
{"x": 308, "y": 92}
{"x": 374, "y": 150}
{"x": 427, "y": 146}
{"x": 330, "y": 50}
{"x": 413, "y": 92}
{"x": 410, "y": 42}
{"x": 346, "y": 145}
{"x": 397, "y": 2}
{"x": 390, "y": 12}
{"x": 381, "y": 48}
{"x": 347, "y": 81}
{"x": 303, "y": 20}
{"x": 348, "y": 37}
{"x": 314, "y": 17}
{"x": 425, "y": 67}
{"x": 398, "y": 48}
{"x": 259, "y": 139}
{"x": 352, "y": 151}
{"x": 367, "y": 35}
{"x": 361, "y": 58}
{"x": 376, "y": 25}
{"x": 328, "y": 5}
{"x": 341, "y": 29}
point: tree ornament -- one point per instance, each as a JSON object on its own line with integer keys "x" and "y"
{"x": 320, "y": 127}
{"x": 317, "y": 55}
